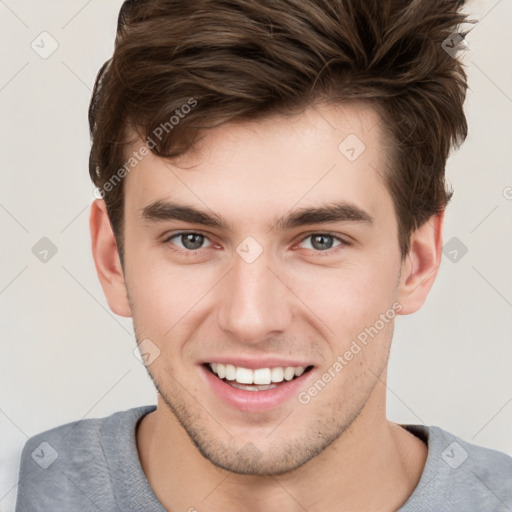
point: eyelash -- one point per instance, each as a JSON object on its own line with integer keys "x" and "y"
{"x": 189, "y": 253}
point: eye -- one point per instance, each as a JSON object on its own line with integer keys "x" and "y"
{"x": 321, "y": 242}
{"x": 189, "y": 241}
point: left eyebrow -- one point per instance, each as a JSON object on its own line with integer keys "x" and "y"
{"x": 332, "y": 212}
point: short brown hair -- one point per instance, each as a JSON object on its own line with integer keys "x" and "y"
{"x": 229, "y": 60}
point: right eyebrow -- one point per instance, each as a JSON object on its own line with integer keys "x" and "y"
{"x": 165, "y": 211}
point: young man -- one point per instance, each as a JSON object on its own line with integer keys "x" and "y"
{"x": 272, "y": 183}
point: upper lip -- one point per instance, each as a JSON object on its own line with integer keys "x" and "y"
{"x": 254, "y": 364}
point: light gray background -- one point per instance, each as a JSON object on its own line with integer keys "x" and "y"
{"x": 65, "y": 356}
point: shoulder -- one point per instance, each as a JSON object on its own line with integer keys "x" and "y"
{"x": 485, "y": 463}
{"x": 67, "y": 466}
{"x": 460, "y": 475}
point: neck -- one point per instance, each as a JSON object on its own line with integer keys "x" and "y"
{"x": 374, "y": 465}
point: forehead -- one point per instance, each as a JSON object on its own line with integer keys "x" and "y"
{"x": 325, "y": 153}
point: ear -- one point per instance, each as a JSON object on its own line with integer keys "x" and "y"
{"x": 106, "y": 259}
{"x": 419, "y": 269}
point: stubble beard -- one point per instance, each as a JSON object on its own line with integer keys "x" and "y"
{"x": 284, "y": 455}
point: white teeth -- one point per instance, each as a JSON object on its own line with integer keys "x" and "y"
{"x": 252, "y": 388}
{"x": 230, "y": 372}
{"x": 244, "y": 375}
{"x": 260, "y": 376}
{"x": 221, "y": 370}
{"x": 277, "y": 374}
{"x": 289, "y": 373}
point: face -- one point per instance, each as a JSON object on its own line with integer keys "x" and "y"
{"x": 273, "y": 245}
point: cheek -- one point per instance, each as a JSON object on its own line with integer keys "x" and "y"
{"x": 166, "y": 297}
{"x": 347, "y": 299}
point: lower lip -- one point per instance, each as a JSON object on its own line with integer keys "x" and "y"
{"x": 255, "y": 401}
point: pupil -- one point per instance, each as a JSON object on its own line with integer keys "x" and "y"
{"x": 192, "y": 240}
{"x": 323, "y": 243}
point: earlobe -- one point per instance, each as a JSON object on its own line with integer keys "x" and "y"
{"x": 106, "y": 260}
{"x": 421, "y": 265}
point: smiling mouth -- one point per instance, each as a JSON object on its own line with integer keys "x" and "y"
{"x": 260, "y": 379}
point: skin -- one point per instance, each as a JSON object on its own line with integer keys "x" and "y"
{"x": 338, "y": 452}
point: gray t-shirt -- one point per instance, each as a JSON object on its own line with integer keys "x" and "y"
{"x": 93, "y": 465}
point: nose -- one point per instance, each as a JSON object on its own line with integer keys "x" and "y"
{"x": 254, "y": 303}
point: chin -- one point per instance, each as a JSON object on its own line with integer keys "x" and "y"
{"x": 249, "y": 460}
